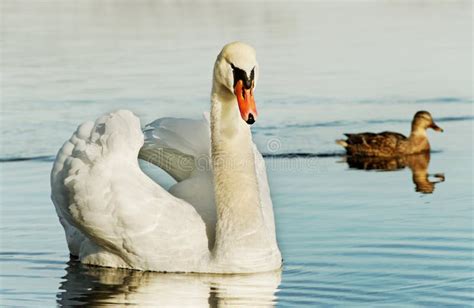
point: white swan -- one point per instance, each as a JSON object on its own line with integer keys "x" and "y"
{"x": 218, "y": 218}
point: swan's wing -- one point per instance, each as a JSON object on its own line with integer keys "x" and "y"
{"x": 99, "y": 189}
{"x": 182, "y": 148}
{"x": 60, "y": 198}
{"x": 177, "y": 146}
{"x": 177, "y": 164}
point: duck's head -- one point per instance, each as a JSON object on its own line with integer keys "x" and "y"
{"x": 236, "y": 71}
{"x": 423, "y": 120}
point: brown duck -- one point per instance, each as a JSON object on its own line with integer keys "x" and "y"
{"x": 390, "y": 144}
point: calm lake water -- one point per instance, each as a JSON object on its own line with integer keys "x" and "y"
{"x": 348, "y": 236}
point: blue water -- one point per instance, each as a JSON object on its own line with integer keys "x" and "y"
{"x": 349, "y": 237}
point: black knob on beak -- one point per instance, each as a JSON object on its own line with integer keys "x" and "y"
{"x": 251, "y": 119}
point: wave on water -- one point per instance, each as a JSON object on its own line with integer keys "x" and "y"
{"x": 444, "y": 100}
{"x": 303, "y": 155}
{"x": 442, "y": 119}
{"x": 373, "y": 121}
{"x": 379, "y": 101}
{"x": 432, "y": 100}
{"x": 455, "y": 119}
{"x": 43, "y": 158}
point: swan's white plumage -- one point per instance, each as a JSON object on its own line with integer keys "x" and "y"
{"x": 182, "y": 147}
{"x": 129, "y": 220}
{"x": 189, "y": 136}
{"x": 192, "y": 137}
{"x": 117, "y": 206}
{"x": 217, "y": 218}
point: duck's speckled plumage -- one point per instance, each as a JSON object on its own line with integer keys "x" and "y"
{"x": 390, "y": 144}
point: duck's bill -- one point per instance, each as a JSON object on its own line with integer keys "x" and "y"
{"x": 436, "y": 128}
{"x": 246, "y": 101}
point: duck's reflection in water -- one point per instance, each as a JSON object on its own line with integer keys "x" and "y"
{"x": 418, "y": 164}
{"x": 97, "y": 287}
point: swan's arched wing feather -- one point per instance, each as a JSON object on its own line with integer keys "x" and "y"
{"x": 100, "y": 190}
{"x": 148, "y": 229}
{"x": 177, "y": 164}
{"x": 176, "y": 145}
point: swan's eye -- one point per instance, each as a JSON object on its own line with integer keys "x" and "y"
{"x": 252, "y": 73}
{"x": 240, "y": 74}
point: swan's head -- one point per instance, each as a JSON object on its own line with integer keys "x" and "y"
{"x": 423, "y": 120}
{"x": 236, "y": 70}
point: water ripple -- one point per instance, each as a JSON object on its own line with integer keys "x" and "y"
{"x": 41, "y": 158}
{"x": 360, "y": 123}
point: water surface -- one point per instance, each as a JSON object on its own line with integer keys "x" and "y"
{"x": 349, "y": 236}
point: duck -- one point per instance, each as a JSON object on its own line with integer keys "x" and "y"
{"x": 218, "y": 216}
{"x": 392, "y": 144}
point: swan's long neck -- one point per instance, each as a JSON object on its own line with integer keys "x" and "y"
{"x": 239, "y": 230}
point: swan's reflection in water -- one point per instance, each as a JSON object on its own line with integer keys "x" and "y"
{"x": 418, "y": 164}
{"x": 98, "y": 287}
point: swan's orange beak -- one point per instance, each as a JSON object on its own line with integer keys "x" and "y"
{"x": 246, "y": 101}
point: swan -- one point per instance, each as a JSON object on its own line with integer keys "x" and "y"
{"x": 217, "y": 218}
